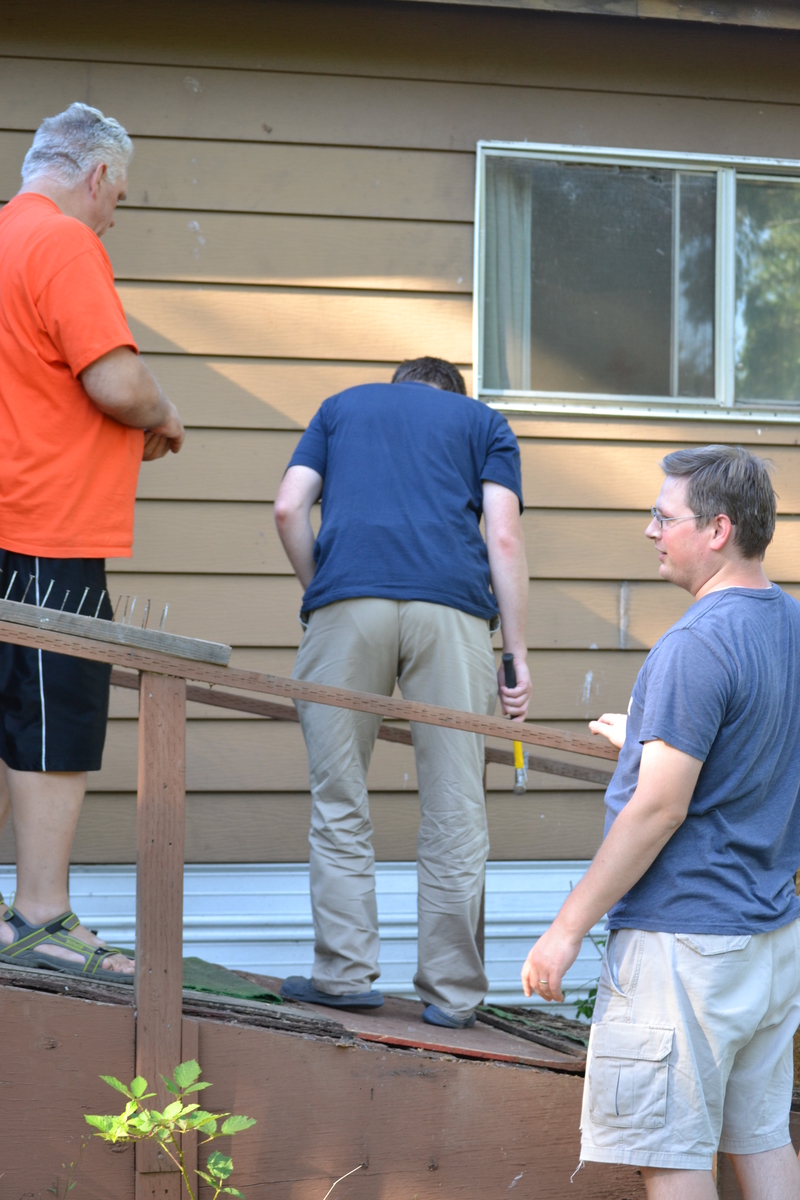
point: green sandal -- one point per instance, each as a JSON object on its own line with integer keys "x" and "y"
{"x": 24, "y": 950}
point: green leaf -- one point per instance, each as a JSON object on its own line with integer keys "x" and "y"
{"x": 173, "y": 1110}
{"x": 196, "y": 1087}
{"x": 203, "y": 1176}
{"x": 104, "y": 1124}
{"x": 70, "y": 1186}
{"x": 220, "y": 1165}
{"x": 233, "y": 1192}
{"x": 138, "y": 1087}
{"x": 170, "y": 1086}
{"x": 237, "y": 1124}
{"x": 115, "y": 1083}
{"x": 187, "y": 1073}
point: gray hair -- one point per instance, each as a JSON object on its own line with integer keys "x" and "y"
{"x": 728, "y": 480}
{"x": 70, "y": 145}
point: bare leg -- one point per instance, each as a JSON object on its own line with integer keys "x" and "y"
{"x": 5, "y": 801}
{"x": 45, "y": 808}
{"x": 773, "y": 1175}
{"x": 663, "y": 1184}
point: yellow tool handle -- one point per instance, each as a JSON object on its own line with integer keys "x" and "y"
{"x": 519, "y": 759}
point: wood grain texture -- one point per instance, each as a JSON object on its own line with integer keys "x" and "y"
{"x": 294, "y": 251}
{"x": 427, "y": 1126}
{"x": 114, "y": 632}
{"x": 780, "y": 14}
{"x": 54, "y": 1051}
{"x": 282, "y": 323}
{"x": 168, "y": 101}
{"x": 160, "y": 821}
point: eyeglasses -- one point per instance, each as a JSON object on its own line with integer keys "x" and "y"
{"x": 662, "y": 521}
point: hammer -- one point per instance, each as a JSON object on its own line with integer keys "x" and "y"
{"x": 520, "y": 758}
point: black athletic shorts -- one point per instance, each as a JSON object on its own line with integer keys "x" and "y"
{"x": 53, "y": 708}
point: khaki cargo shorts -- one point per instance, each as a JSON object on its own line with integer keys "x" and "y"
{"x": 691, "y": 1049}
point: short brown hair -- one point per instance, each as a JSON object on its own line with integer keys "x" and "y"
{"x": 436, "y": 371}
{"x": 732, "y": 481}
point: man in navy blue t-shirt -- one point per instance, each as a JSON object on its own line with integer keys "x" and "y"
{"x": 699, "y": 996}
{"x": 400, "y": 587}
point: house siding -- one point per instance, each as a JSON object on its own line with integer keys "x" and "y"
{"x": 299, "y": 220}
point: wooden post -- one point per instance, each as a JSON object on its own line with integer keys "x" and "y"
{"x": 190, "y": 1049}
{"x": 158, "y": 985}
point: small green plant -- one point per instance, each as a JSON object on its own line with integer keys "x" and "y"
{"x": 139, "y": 1124}
{"x": 69, "y": 1183}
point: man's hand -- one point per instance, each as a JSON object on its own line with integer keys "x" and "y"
{"x": 549, "y": 960}
{"x": 658, "y": 807}
{"x": 612, "y": 726}
{"x": 515, "y": 700}
{"x": 169, "y": 437}
{"x": 122, "y": 387}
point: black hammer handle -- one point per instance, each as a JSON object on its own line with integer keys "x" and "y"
{"x": 508, "y": 670}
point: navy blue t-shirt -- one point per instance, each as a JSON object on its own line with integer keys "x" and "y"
{"x": 722, "y": 685}
{"x": 403, "y": 466}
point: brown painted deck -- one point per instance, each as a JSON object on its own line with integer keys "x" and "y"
{"x": 464, "y": 1116}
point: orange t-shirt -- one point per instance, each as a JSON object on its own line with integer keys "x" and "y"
{"x": 68, "y": 472}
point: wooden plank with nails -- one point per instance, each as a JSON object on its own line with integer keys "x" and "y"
{"x": 387, "y": 733}
{"x": 295, "y": 689}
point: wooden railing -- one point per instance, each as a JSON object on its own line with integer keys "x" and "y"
{"x": 164, "y": 666}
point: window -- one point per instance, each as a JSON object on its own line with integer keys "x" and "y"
{"x": 636, "y": 282}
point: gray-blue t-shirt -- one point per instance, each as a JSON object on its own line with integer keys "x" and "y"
{"x": 723, "y": 685}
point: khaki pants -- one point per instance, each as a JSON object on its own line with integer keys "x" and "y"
{"x": 442, "y": 656}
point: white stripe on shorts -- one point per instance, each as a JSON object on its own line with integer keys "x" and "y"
{"x": 41, "y": 685}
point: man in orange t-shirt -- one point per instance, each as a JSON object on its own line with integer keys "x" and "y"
{"x": 79, "y": 412}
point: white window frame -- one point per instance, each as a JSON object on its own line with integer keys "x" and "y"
{"x": 726, "y": 168}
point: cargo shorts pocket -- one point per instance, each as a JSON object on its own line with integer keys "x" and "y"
{"x": 713, "y": 943}
{"x": 628, "y": 1075}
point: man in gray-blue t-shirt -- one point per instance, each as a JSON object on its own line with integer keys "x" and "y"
{"x": 699, "y": 997}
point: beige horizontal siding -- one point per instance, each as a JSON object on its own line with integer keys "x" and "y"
{"x": 283, "y": 323}
{"x": 299, "y": 220}
{"x": 567, "y": 685}
{"x": 240, "y": 393}
{"x": 232, "y": 464}
{"x": 482, "y": 44}
{"x": 164, "y": 101}
{"x": 241, "y": 538}
{"x": 246, "y": 827}
{"x": 261, "y": 610}
{"x": 258, "y": 756}
{"x": 298, "y": 251}
{"x": 327, "y": 181}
